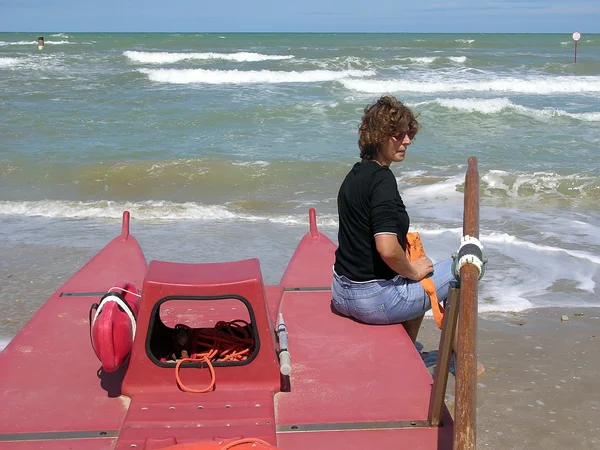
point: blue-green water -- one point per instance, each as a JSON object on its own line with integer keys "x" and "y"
{"x": 225, "y": 140}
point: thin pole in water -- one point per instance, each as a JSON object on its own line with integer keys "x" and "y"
{"x": 576, "y": 36}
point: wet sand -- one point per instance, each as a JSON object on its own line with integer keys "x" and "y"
{"x": 541, "y": 388}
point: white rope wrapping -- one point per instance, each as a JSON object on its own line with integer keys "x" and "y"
{"x": 468, "y": 258}
{"x": 114, "y": 298}
{"x": 116, "y": 288}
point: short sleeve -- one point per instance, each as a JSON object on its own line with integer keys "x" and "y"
{"x": 384, "y": 208}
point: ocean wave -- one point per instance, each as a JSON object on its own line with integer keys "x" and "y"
{"x": 188, "y": 76}
{"x": 539, "y": 85}
{"x": 432, "y": 59}
{"x": 504, "y": 238}
{"x": 547, "y": 186}
{"x": 203, "y": 179}
{"x": 430, "y": 188}
{"x": 6, "y": 43}
{"x": 149, "y": 211}
{"x": 169, "y": 57}
{"x": 190, "y": 211}
{"x": 498, "y": 105}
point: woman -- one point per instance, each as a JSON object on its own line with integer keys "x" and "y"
{"x": 374, "y": 282}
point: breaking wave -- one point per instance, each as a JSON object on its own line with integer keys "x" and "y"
{"x": 169, "y": 57}
{"x": 187, "y": 76}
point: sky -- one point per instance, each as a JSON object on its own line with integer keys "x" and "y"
{"x": 401, "y": 16}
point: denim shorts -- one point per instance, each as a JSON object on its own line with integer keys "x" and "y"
{"x": 388, "y": 301}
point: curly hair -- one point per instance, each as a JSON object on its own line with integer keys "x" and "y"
{"x": 384, "y": 118}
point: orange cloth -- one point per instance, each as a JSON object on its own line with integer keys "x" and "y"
{"x": 414, "y": 250}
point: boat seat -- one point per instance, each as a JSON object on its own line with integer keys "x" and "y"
{"x": 363, "y": 371}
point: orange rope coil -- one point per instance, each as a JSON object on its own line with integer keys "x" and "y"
{"x": 243, "y": 443}
{"x": 246, "y": 441}
{"x": 226, "y": 342}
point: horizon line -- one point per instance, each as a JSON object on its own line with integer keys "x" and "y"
{"x": 306, "y": 32}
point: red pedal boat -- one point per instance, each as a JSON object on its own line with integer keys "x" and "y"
{"x": 208, "y": 357}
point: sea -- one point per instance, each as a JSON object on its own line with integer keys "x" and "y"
{"x": 219, "y": 143}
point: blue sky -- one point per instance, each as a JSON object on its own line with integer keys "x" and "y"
{"x": 473, "y": 16}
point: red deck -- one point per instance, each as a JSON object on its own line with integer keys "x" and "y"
{"x": 352, "y": 386}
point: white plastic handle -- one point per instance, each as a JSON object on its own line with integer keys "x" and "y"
{"x": 285, "y": 363}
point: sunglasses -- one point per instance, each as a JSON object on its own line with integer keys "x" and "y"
{"x": 400, "y": 137}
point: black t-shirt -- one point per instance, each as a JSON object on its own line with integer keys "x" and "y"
{"x": 368, "y": 204}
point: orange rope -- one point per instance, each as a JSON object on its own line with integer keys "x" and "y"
{"x": 220, "y": 344}
{"x": 184, "y": 388}
{"x": 246, "y": 441}
{"x": 414, "y": 250}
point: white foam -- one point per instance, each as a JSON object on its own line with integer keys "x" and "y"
{"x": 3, "y": 343}
{"x": 421, "y": 59}
{"x": 169, "y": 57}
{"x": 431, "y": 59}
{"x": 5, "y": 43}
{"x": 411, "y": 174}
{"x": 9, "y": 62}
{"x": 58, "y": 42}
{"x": 187, "y": 76}
{"x": 533, "y": 85}
{"x": 505, "y": 238}
{"x": 465, "y": 41}
{"x": 441, "y": 190}
{"x": 251, "y": 163}
{"x": 149, "y": 210}
{"x": 492, "y": 106}
{"x": 146, "y": 211}
{"x": 537, "y": 183}
{"x": 507, "y": 299}
{"x": 422, "y": 228}
{"x": 521, "y": 274}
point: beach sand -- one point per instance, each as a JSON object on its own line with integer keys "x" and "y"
{"x": 541, "y": 388}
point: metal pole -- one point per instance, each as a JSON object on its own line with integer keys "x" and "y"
{"x": 440, "y": 377}
{"x": 466, "y": 370}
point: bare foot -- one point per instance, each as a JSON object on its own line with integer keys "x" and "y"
{"x": 480, "y": 369}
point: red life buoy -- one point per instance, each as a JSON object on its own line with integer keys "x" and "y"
{"x": 113, "y": 323}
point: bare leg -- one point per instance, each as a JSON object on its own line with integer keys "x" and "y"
{"x": 480, "y": 367}
{"x": 413, "y": 326}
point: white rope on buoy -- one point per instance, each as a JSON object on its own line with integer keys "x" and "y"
{"x": 470, "y": 258}
{"x": 116, "y": 288}
{"x": 124, "y": 306}
{"x": 469, "y": 252}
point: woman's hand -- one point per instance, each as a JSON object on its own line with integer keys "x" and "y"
{"x": 421, "y": 268}
{"x": 394, "y": 256}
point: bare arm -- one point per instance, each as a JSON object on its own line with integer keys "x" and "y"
{"x": 392, "y": 253}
